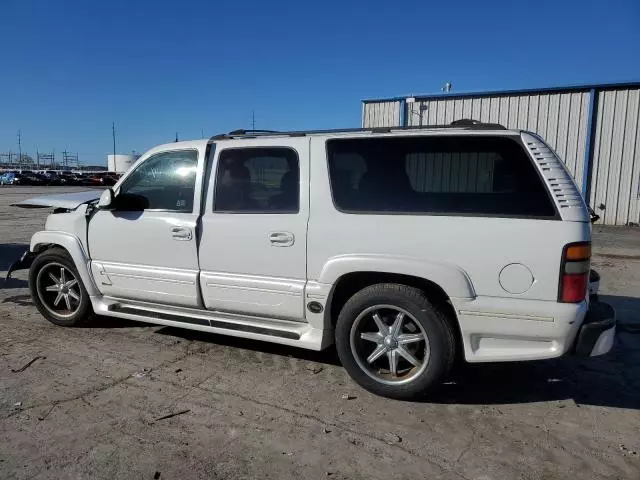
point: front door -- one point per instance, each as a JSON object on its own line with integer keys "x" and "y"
{"x": 254, "y": 229}
{"x": 145, "y": 248}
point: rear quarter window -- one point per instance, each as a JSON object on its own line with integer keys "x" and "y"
{"x": 472, "y": 175}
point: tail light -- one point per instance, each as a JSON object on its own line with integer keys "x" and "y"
{"x": 574, "y": 272}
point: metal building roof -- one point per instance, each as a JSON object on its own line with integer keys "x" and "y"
{"x": 532, "y": 91}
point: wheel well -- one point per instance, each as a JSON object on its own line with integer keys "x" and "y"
{"x": 41, "y": 247}
{"x": 351, "y": 283}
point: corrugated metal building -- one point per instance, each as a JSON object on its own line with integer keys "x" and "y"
{"x": 595, "y": 129}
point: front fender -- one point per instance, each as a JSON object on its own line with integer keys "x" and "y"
{"x": 71, "y": 244}
{"x": 452, "y": 279}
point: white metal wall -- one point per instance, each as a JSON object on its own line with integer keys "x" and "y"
{"x": 615, "y": 178}
{"x": 381, "y": 114}
{"x": 120, "y": 163}
{"x": 559, "y": 118}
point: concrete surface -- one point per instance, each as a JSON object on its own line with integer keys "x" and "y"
{"x": 91, "y": 407}
{"x": 621, "y": 242}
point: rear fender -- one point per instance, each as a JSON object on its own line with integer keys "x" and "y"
{"x": 451, "y": 278}
{"x": 73, "y": 246}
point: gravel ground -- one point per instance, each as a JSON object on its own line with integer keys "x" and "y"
{"x": 91, "y": 405}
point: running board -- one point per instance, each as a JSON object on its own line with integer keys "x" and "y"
{"x": 205, "y": 322}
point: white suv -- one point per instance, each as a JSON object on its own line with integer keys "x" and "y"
{"x": 408, "y": 248}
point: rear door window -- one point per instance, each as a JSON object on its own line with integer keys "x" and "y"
{"x": 257, "y": 180}
{"x": 473, "y": 175}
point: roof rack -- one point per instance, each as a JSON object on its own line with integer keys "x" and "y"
{"x": 250, "y": 132}
{"x": 464, "y": 123}
{"x": 469, "y": 122}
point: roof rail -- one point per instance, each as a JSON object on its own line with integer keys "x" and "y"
{"x": 470, "y": 122}
{"x": 250, "y": 132}
{"x": 242, "y": 132}
{"x": 465, "y": 123}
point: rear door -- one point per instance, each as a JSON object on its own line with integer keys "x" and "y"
{"x": 149, "y": 252}
{"x": 254, "y": 228}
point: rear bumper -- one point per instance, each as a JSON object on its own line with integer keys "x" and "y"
{"x": 506, "y": 329}
{"x": 597, "y": 332}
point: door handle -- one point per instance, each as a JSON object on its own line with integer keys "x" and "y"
{"x": 181, "y": 233}
{"x": 281, "y": 239}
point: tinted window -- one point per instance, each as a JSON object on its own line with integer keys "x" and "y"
{"x": 454, "y": 174}
{"x": 257, "y": 180}
{"x": 165, "y": 181}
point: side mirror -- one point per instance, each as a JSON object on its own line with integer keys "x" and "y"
{"x": 106, "y": 200}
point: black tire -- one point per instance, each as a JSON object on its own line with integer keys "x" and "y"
{"x": 439, "y": 333}
{"x": 81, "y": 311}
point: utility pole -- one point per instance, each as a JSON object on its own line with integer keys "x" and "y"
{"x": 19, "y": 148}
{"x": 113, "y": 132}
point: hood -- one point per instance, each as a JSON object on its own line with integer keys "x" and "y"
{"x": 65, "y": 200}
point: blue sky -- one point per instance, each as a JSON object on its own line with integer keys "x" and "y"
{"x": 71, "y": 67}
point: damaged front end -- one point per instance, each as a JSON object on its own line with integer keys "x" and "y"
{"x": 23, "y": 263}
{"x": 61, "y": 203}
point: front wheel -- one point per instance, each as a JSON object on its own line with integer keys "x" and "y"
{"x": 394, "y": 342}
{"x": 57, "y": 290}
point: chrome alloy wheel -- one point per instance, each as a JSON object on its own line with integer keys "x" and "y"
{"x": 389, "y": 344}
{"x": 58, "y": 290}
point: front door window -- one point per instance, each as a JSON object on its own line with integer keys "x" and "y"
{"x": 165, "y": 181}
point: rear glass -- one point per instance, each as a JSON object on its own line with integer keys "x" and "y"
{"x": 475, "y": 175}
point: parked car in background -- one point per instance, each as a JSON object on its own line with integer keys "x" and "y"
{"x": 33, "y": 178}
{"x": 105, "y": 178}
{"x": 67, "y": 179}
{"x": 73, "y": 179}
{"x": 109, "y": 180}
{"x": 15, "y": 178}
{"x": 51, "y": 179}
{"x": 94, "y": 180}
{"x": 88, "y": 180}
{"x": 5, "y": 178}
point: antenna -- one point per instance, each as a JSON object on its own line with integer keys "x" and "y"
{"x": 253, "y": 120}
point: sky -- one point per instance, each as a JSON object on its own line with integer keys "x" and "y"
{"x": 70, "y": 68}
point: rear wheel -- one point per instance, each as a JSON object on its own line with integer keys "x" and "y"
{"x": 57, "y": 290}
{"x": 393, "y": 341}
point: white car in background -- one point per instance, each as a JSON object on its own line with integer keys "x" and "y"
{"x": 407, "y": 248}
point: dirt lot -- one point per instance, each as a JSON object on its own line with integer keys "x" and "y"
{"x": 90, "y": 406}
